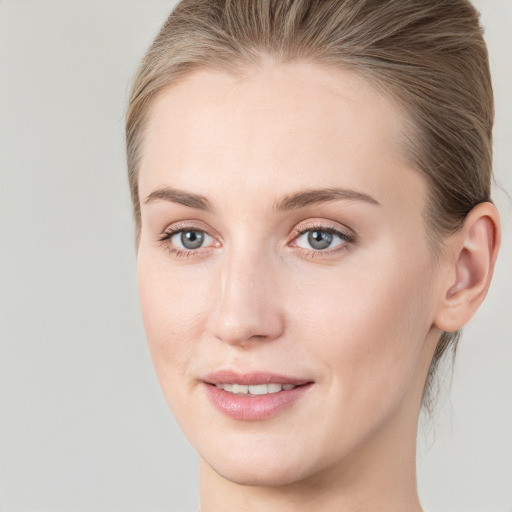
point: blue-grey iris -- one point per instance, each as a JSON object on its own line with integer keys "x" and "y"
{"x": 319, "y": 239}
{"x": 192, "y": 239}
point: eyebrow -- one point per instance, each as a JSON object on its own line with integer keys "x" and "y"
{"x": 181, "y": 197}
{"x": 315, "y": 196}
{"x": 290, "y": 202}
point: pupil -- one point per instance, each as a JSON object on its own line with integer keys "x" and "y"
{"x": 319, "y": 239}
{"x": 192, "y": 239}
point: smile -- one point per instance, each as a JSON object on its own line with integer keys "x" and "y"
{"x": 255, "y": 389}
{"x": 255, "y": 396}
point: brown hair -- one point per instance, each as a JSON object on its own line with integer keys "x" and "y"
{"x": 428, "y": 55}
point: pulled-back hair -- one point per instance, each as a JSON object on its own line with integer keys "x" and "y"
{"x": 428, "y": 56}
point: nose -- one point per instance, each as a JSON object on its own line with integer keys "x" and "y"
{"x": 248, "y": 308}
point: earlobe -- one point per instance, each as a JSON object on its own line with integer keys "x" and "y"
{"x": 474, "y": 249}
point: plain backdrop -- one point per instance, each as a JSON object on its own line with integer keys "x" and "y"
{"x": 83, "y": 423}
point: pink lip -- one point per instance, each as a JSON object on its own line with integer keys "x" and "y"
{"x": 253, "y": 408}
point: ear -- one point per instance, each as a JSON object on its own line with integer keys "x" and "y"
{"x": 472, "y": 254}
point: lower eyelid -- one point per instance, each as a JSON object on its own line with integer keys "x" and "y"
{"x": 326, "y": 253}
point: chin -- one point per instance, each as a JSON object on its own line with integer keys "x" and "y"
{"x": 260, "y": 462}
{"x": 276, "y": 474}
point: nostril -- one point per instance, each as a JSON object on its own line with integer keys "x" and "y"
{"x": 247, "y": 308}
{"x": 237, "y": 325}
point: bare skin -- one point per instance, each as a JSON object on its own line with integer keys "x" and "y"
{"x": 358, "y": 318}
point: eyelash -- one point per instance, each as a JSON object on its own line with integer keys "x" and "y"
{"x": 347, "y": 241}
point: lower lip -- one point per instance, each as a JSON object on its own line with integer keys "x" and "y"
{"x": 253, "y": 408}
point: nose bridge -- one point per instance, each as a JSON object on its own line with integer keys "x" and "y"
{"x": 247, "y": 307}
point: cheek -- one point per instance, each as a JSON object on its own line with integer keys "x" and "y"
{"x": 368, "y": 326}
{"x": 174, "y": 311}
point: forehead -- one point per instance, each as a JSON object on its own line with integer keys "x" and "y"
{"x": 279, "y": 126}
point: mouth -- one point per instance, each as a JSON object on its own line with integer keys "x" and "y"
{"x": 254, "y": 396}
{"x": 255, "y": 389}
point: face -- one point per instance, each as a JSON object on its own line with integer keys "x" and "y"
{"x": 286, "y": 284}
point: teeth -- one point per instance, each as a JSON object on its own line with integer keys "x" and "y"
{"x": 240, "y": 388}
{"x": 256, "y": 389}
{"x": 260, "y": 389}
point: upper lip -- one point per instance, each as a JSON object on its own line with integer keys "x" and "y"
{"x": 251, "y": 378}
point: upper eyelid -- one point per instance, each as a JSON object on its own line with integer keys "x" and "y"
{"x": 342, "y": 230}
{"x": 176, "y": 227}
{"x": 329, "y": 229}
{"x": 346, "y": 239}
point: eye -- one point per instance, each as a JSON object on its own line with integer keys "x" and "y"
{"x": 185, "y": 241}
{"x": 322, "y": 238}
{"x": 317, "y": 239}
{"x": 189, "y": 238}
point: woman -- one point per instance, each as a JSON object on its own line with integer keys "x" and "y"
{"x": 311, "y": 189}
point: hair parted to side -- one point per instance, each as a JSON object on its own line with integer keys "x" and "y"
{"x": 429, "y": 56}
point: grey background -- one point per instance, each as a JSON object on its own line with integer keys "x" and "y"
{"x": 83, "y": 424}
